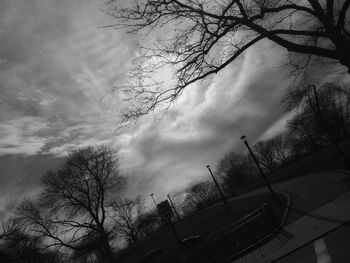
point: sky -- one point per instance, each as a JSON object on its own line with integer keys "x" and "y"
{"x": 59, "y": 67}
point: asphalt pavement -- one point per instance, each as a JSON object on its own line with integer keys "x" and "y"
{"x": 321, "y": 236}
{"x": 332, "y": 248}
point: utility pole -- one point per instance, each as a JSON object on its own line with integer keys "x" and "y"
{"x": 219, "y": 190}
{"x": 153, "y": 199}
{"x": 244, "y": 140}
{"x": 172, "y": 204}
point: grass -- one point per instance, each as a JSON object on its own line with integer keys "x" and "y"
{"x": 302, "y": 180}
{"x": 326, "y": 160}
{"x": 205, "y": 223}
{"x": 312, "y": 191}
{"x": 307, "y": 192}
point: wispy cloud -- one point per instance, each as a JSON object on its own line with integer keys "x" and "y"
{"x": 20, "y": 135}
{"x": 20, "y": 176}
{"x": 58, "y": 73}
{"x": 208, "y": 121}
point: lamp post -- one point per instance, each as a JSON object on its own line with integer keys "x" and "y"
{"x": 219, "y": 190}
{"x": 172, "y": 204}
{"x": 329, "y": 132}
{"x": 244, "y": 140}
{"x": 153, "y": 199}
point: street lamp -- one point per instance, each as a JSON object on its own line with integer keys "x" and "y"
{"x": 323, "y": 124}
{"x": 244, "y": 140}
{"x": 219, "y": 190}
{"x": 153, "y": 199}
{"x": 172, "y": 204}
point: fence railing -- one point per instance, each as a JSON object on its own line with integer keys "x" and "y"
{"x": 236, "y": 239}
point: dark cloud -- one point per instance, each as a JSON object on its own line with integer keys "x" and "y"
{"x": 31, "y": 23}
{"x": 24, "y": 170}
{"x": 20, "y": 176}
{"x": 57, "y": 76}
{"x": 31, "y": 72}
{"x": 58, "y": 73}
{"x": 207, "y": 123}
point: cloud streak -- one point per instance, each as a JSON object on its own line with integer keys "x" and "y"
{"x": 58, "y": 73}
{"x": 208, "y": 121}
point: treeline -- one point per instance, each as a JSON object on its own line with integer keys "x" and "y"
{"x": 320, "y": 117}
{"x": 81, "y": 214}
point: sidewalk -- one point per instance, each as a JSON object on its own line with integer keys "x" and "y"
{"x": 313, "y": 225}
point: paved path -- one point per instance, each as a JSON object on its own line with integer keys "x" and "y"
{"x": 310, "y": 227}
{"x": 332, "y": 248}
{"x": 311, "y": 190}
{"x": 325, "y": 178}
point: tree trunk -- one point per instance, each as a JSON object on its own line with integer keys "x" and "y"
{"x": 343, "y": 49}
{"x": 345, "y": 59}
{"x": 107, "y": 252}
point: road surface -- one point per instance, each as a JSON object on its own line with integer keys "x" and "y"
{"x": 332, "y": 248}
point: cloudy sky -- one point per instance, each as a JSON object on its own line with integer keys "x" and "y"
{"x": 58, "y": 71}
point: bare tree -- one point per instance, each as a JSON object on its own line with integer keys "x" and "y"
{"x": 271, "y": 153}
{"x": 19, "y": 246}
{"x": 304, "y": 132}
{"x": 324, "y": 114}
{"x": 89, "y": 248}
{"x": 236, "y": 170}
{"x": 199, "y": 195}
{"x": 8, "y": 227}
{"x": 209, "y": 35}
{"x": 132, "y": 220}
{"x": 73, "y": 205}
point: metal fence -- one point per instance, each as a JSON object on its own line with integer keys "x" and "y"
{"x": 236, "y": 239}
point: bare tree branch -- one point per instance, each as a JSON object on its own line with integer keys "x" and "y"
{"x": 72, "y": 207}
{"x": 211, "y": 35}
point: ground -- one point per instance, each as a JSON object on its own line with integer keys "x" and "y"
{"x": 311, "y": 191}
{"x": 205, "y": 223}
{"x": 307, "y": 193}
{"x": 337, "y": 245}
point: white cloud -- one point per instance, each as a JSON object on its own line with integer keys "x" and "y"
{"x": 19, "y": 136}
{"x": 276, "y": 128}
{"x": 206, "y": 122}
{"x": 58, "y": 93}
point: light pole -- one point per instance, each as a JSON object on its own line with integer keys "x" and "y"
{"x": 153, "y": 199}
{"x": 219, "y": 190}
{"x": 323, "y": 123}
{"x": 244, "y": 140}
{"x": 172, "y": 204}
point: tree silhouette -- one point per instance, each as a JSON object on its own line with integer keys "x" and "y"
{"x": 132, "y": 220}
{"x": 73, "y": 206}
{"x": 303, "y": 128}
{"x": 89, "y": 248}
{"x": 271, "y": 153}
{"x": 198, "y": 196}
{"x": 17, "y": 246}
{"x": 323, "y": 114}
{"x": 236, "y": 170}
{"x": 209, "y": 35}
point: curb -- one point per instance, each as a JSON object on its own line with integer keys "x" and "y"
{"x": 287, "y": 209}
{"x": 343, "y": 171}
